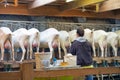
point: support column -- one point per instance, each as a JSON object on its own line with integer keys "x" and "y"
{"x": 26, "y": 71}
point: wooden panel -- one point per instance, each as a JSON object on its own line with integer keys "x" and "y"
{"x": 77, "y": 13}
{"x": 44, "y": 11}
{"x": 23, "y": 10}
{"x": 27, "y": 72}
{"x": 109, "y": 5}
{"x": 19, "y": 10}
{"x": 77, "y": 72}
{"x": 10, "y": 76}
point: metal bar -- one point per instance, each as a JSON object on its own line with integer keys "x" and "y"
{"x": 38, "y": 3}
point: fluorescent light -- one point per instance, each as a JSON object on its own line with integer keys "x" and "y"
{"x": 38, "y": 3}
{"x": 69, "y": 0}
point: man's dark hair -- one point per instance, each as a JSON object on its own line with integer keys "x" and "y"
{"x": 80, "y": 31}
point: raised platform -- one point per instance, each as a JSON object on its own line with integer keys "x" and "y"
{"x": 16, "y": 64}
{"x": 108, "y": 59}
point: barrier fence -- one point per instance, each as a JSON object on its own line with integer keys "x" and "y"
{"x": 14, "y": 25}
{"x": 27, "y": 72}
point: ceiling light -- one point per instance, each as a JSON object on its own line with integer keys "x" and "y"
{"x": 69, "y": 0}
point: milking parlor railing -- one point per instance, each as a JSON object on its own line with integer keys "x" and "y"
{"x": 13, "y": 25}
{"x": 27, "y": 70}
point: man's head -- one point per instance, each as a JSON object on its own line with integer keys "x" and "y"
{"x": 80, "y": 32}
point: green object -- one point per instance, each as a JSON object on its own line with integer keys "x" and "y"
{"x": 43, "y": 78}
{"x": 66, "y": 78}
{"x": 55, "y": 78}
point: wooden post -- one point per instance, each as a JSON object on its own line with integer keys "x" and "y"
{"x": 26, "y": 71}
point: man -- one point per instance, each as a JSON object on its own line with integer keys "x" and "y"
{"x": 82, "y": 49}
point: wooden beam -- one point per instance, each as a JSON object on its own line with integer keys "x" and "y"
{"x": 26, "y": 71}
{"x": 15, "y": 3}
{"x": 78, "y": 13}
{"x": 79, "y": 3}
{"x": 44, "y": 11}
{"x": 109, "y": 5}
{"x": 19, "y": 10}
{"x": 77, "y": 72}
{"x": 38, "y": 3}
{"x": 117, "y": 14}
{"x": 10, "y": 75}
{"x": 22, "y": 9}
{"x": 97, "y": 7}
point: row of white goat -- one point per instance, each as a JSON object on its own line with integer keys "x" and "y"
{"x": 20, "y": 38}
{"x": 100, "y": 38}
{"x": 23, "y": 38}
{"x": 52, "y": 38}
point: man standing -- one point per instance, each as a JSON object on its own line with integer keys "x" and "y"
{"x": 82, "y": 49}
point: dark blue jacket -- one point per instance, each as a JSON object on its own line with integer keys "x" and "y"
{"x": 82, "y": 49}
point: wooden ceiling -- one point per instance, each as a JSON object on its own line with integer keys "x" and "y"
{"x": 76, "y": 8}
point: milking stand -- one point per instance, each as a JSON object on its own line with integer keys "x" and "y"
{"x": 106, "y": 62}
{"x": 96, "y": 61}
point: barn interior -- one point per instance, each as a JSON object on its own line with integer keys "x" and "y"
{"x": 62, "y": 15}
